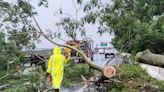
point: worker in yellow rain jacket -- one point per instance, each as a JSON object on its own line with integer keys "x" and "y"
{"x": 56, "y": 68}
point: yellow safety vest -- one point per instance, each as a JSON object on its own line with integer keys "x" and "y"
{"x": 56, "y": 67}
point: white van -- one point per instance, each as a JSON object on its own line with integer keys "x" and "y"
{"x": 101, "y": 51}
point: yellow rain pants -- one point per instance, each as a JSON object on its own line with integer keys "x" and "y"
{"x": 56, "y": 67}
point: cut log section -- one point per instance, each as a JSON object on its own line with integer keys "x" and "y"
{"x": 147, "y": 57}
{"x": 109, "y": 71}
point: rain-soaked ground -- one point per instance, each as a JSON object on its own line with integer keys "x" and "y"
{"x": 98, "y": 59}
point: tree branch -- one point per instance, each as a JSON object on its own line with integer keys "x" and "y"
{"x": 88, "y": 61}
{"x": 68, "y": 14}
{"x": 74, "y": 5}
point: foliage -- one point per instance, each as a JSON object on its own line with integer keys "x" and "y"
{"x": 137, "y": 24}
{"x": 75, "y": 71}
{"x": 71, "y": 27}
{"x": 19, "y": 32}
{"x": 9, "y": 53}
{"x": 16, "y": 29}
{"x": 15, "y": 22}
{"x": 24, "y": 83}
{"x": 16, "y": 33}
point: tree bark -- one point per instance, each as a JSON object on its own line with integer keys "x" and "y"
{"x": 147, "y": 57}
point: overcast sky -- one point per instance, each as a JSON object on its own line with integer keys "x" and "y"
{"x": 47, "y": 20}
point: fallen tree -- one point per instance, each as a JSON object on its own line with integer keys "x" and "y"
{"x": 147, "y": 57}
{"x": 107, "y": 72}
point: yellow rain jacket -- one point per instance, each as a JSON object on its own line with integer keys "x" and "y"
{"x": 56, "y": 67}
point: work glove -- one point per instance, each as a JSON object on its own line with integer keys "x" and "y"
{"x": 49, "y": 77}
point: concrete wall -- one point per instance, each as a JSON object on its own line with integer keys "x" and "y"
{"x": 153, "y": 71}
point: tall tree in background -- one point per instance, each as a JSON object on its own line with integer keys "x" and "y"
{"x": 16, "y": 30}
{"x": 136, "y": 24}
{"x": 15, "y": 20}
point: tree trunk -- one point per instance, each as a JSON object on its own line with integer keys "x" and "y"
{"x": 147, "y": 57}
